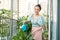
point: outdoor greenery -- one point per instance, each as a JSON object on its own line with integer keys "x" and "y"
{"x": 4, "y": 22}
{"x": 5, "y": 13}
{"x": 45, "y": 35}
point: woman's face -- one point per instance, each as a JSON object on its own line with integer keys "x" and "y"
{"x": 36, "y": 9}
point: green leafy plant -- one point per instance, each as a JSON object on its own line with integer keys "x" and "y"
{"x": 5, "y": 13}
{"x": 4, "y": 23}
{"x": 21, "y": 35}
{"x": 45, "y": 35}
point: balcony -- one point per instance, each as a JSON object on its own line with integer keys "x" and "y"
{"x": 8, "y": 28}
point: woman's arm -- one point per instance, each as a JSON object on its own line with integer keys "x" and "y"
{"x": 29, "y": 19}
{"x": 40, "y": 28}
{"x": 25, "y": 21}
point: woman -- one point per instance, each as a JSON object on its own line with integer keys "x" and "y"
{"x": 37, "y": 23}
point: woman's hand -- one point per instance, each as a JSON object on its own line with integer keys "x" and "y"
{"x": 33, "y": 32}
{"x": 37, "y": 30}
{"x": 40, "y": 28}
{"x": 24, "y": 21}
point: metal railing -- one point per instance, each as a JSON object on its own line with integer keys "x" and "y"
{"x": 8, "y": 28}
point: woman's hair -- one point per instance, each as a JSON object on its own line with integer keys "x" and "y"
{"x": 38, "y": 5}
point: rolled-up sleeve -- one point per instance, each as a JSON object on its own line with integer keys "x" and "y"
{"x": 41, "y": 21}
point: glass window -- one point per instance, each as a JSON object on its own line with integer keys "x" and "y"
{"x": 26, "y": 7}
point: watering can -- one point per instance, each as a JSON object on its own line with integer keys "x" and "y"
{"x": 23, "y": 27}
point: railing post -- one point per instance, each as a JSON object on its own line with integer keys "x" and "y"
{"x": 11, "y": 21}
